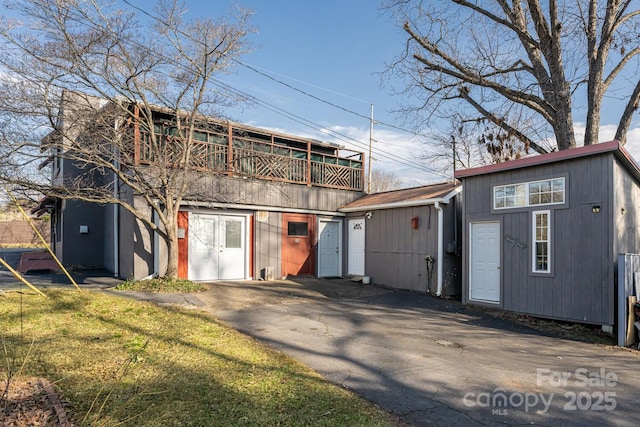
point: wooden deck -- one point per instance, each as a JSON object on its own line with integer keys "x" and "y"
{"x": 31, "y": 261}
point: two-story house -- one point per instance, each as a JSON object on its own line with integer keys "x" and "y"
{"x": 266, "y": 206}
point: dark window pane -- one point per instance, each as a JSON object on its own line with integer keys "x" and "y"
{"x": 298, "y": 229}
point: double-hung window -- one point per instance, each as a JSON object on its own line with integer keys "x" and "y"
{"x": 541, "y": 248}
{"x": 534, "y": 194}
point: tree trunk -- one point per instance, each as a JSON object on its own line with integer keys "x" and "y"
{"x": 172, "y": 252}
{"x": 563, "y": 128}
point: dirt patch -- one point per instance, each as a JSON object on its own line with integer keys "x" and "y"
{"x": 238, "y": 295}
{"x": 576, "y": 331}
{"x": 31, "y": 402}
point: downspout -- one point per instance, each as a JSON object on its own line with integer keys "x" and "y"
{"x": 116, "y": 210}
{"x": 116, "y": 227}
{"x": 156, "y": 247}
{"x": 440, "y": 247}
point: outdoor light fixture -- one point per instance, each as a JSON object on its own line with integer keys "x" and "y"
{"x": 595, "y": 208}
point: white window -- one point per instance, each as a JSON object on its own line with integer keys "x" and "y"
{"x": 534, "y": 193}
{"x": 509, "y": 196}
{"x": 541, "y": 249}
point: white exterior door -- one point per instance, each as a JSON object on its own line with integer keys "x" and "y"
{"x": 356, "y": 247}
{"x": 484, "y": 261}
{"x": 217, "y": 247}
{"x": 231, "y": 258}
{"x": 329, "y": 252}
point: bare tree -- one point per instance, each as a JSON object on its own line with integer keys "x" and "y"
{"x": 384, "y": 181}
{"x": 97, "y": 75}
{"x": 502, "y": 59}
{"x": 470, "y": 144}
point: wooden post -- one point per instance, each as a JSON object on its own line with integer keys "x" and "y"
{"x": 136, "y": 135}
{"x": 230, "y": 149}
{"x": 631, "y": 318}
{"x": 308, "y": 163}
{"x": 362, "y": 173}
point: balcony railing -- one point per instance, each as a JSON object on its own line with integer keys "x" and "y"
{"x": 245, "y": 156}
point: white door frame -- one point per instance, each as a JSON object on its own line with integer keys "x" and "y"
{"x": 218, "y": 216}
{"x": 351, "y": 253}
{"x": 338, "y": 254}
{"x": 486, "y": 281}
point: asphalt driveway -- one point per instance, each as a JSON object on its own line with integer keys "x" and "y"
{"x": 432, "y": 361}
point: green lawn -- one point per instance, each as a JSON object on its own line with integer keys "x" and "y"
{"x": 122, "y": 362}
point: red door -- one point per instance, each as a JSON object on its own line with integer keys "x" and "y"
{"x": 298, "y": 240}
{"x": 183, "y": 244}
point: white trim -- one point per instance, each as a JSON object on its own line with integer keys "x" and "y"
{"x": 472, "y": 280}
{"x": 350, "y": 249}
{"x": 217, "y": 205}
{"x": 534, "y": 241}
{"x": 409, "y": 203}
{"x": 439, "y": 261}
{"x": 246, "y": 217}
{"x": 340, "y": 255}
{"x": 527, "y": 199}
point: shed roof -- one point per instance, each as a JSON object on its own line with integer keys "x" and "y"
{"x": 416, "y": 196}
{"x": 589, "y": 150}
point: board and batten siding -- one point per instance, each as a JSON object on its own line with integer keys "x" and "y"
{"x": 580, "y": 285}
{"x": 395, "y": 252}
{"x": 626, "y": 217}
{"x": 268, "y": 242}
{"x": 235, "y": 190}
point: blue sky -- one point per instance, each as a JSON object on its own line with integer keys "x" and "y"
{"x": 335, "y": 51}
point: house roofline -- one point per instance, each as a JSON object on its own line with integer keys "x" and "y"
{"x": 406, "y": 204}
{"x": 574, "y": 153}
{"x": 250, "y": 128}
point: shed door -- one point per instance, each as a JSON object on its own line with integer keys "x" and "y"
{"x": 484, "y": 261}
{"x": 356, "y": 247}
{"x": 329, "y": 252}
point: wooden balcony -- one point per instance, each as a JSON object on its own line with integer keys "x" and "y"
{"x": 244, "y": 151}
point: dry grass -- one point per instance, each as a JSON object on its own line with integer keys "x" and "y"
{"x": 166, "y": 285}
{"x": 117, "y": 361}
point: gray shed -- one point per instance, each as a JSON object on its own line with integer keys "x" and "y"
{"x": 541, "y": 234}
{"x": 406, "y": 239}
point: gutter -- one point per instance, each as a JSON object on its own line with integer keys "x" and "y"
{"x": 217, "y": 205}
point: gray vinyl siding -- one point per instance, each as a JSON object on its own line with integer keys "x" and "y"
{"x": 395, "y": 253}
{"x": 580, "y": 285}
{"x": 626, "y": 195}
{"x": 136, "y": 239}
{"x": 235, "y": 190}
{"x": 82, "y": 250}
{"x": 268, "y": 244}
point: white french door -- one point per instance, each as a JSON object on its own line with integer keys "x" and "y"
{"x": 217, "y": 247}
